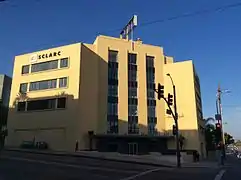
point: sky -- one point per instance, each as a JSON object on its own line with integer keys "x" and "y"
{"x": 212, "y": 40}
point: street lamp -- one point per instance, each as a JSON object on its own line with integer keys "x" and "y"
{"x": 176, "y": 122}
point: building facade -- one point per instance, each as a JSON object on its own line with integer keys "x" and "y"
{"x": 189, "y": 104}
{"x": 101, "y": 95}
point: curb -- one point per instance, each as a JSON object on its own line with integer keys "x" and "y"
{"x": 89, "y": 157}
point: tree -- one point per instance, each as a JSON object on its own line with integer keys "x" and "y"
{"x": 228, "y": 139}
{"x": 209, "y": 120}
{"x": 210, "y": 132}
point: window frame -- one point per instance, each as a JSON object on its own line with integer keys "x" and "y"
{"x": 68, "y": 60}
{"x": 22, "y": 70}
{"x": 67, "y": 82}
{"x": 21, "y": 88}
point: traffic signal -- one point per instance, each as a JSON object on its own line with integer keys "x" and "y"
{"x": 168, "y": 111}
{"x": 218, "y": 134}
{"x": 170, "y": 99}
{"x": 174, "y": 129}
{"x": 160, "y": 91}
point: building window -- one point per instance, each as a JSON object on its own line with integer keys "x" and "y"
{"x": 150, "y": 77}
{"x": 61, "y": 102}
{"x": 152, "y": 129}
{"x": 112, "y": 90}
{"x": 133, "y": 128}
{"x": 151, "y": 111}
{"x": 132, "y": 101}
{"x": 150, "y": 94}
{"x": 25, "y": 69}
{"x": 44, "y": 66}
{"x": 132, "y": 92}
{"x": 63, "y": 82}
{"x": 151, "y": 103}
{"x": 21, "y": 106}
{"x": 42, "y": 85}
{"x": 43, "y": 104}
{"x": 112, "y": 105}
{"x": 131, "y": 58}
{"x": 23, "y": 88}
{"x": 113, "y": 73}
{"x": 112, "y": 125}
{"x": 149, "y": 61}
{"x": 132, "y": 110}
{"x": 64, "y": 62}
{"x": 152, "y": 120}
{"x": 112, "y": 109}
{"x": 132, "y": 75}
{"x": 113, "y": 56}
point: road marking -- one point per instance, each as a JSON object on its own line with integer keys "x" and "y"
{"x": 142, "y": 174}
{"x": 220, "y": 174}
{"x": 70, "y": 165}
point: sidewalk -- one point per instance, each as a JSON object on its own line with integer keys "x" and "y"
{"x": 154, "y": 159}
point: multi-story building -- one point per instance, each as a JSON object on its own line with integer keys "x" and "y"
{"x": 5, "y": 88}
{"x": 101, "y": 95}
{"x": 189, "y": 104}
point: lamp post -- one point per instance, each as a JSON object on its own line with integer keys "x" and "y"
{"x": 176, "y": 122}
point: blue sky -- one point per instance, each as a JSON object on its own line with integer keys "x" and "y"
{"x": 212, "y": 41}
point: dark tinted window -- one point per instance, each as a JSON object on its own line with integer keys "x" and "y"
{"x": 25, "y": 69}
{"x": 21, "y": 106}
{"x": 61, "y": 102}
{"x": 113, "y": 56}
{"x": 64, "y": 62}
{"x": 23, "y": 87}
{"x": 131, "y": 58}
{"x": 44, "y": 66}
{"x": 41, "y": 104}
{"x": 149, "y": 61}
{"x": 41, "y": 85}
{"x": 63, "y": 82}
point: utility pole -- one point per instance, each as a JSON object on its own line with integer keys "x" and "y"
{"x": 219, "y": 117}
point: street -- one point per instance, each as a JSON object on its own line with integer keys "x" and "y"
{"x": 18, "y": 165}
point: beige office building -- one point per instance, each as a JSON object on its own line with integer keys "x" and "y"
{"x": 101, "y": 95}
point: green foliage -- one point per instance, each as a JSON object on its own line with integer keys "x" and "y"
{"x": 210, "y": 132}
{"x": 228, "y": 139}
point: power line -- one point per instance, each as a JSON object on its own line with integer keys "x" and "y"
{"x": 205, "y": 11}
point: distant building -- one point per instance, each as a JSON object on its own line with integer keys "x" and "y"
{"x": 5, "y": 90}
{"x": 101, "y": 95}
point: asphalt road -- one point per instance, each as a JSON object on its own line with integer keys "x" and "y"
{"x": 26, "y": 166}
{"x": 233, "y": 172}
